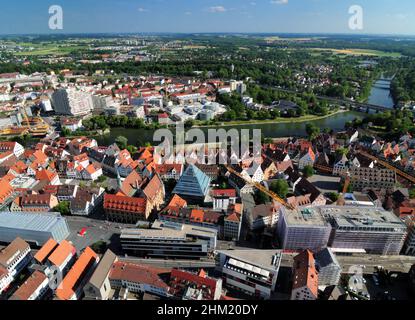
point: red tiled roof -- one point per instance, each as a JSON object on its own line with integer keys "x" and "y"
{"x": 30, "y": 286}
{"x": 136, "y": 273}
{"x": 124, "y": 204}
{"x": 305, "y": 273}
{"x": 46, "y": 175}
{"x": 224, "y": 193}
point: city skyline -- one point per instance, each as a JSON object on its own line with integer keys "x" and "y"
{"x": 225, "y": 16}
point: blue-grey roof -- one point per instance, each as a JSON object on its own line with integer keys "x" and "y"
{"x": 193, "y": 183}
{"x": 29, "y": 221}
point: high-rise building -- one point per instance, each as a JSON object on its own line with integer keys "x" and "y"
{"x": 329, "y": 269}
{"x": 72, "y": 102}
{"x": 371, "y": 229}
{"x": 303, "y": 229}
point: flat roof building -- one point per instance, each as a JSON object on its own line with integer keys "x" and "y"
{"x": 169, "y": 239}
{"x": 373, "y": 229}
{"x": 36, "y": 228}
{"x": 342, "y": 227}
{"x": 303, "y": 229}
{"x": 253, "y": 272}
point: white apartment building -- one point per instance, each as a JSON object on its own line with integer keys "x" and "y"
{"x": 13, "y": 259}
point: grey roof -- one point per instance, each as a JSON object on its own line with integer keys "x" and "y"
{"x": 29, "y": 221}
{"x": 325, "y": 258}
{"x": 103, "y": 269}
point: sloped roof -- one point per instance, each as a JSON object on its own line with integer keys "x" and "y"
{"x": 193, "y": 183}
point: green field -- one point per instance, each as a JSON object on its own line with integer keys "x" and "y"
{"x": 358, "y": 52}
{"x": 49, "y": 49}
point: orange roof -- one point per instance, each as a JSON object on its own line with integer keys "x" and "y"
{"x": 197, "y": 215}
{"x": 68, "y": 286}
{"x": 234, "y": 217}
{"x": 177, "y": 201}
{"x": 46, "y": 250}
{"x": 40, "y": 156}
{"x": 19, "y": 167}
{"x": 6, "y": 190}
{"x": 61, "y": 253}
{"x": 45, "y": 175}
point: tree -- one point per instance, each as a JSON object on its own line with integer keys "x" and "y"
{"x": 412, "y": 193}
{"x": 312, "y": 131}
{"x": 280, "y": 187}
{"x": 121, "y": 142}
{"x": 189, "y": 123}
{"x": 333, "y": 196}
{"x": 261, "y": 198}
{"x": 99, "y": 247}
{"x": 308, "y": 171}
{"x": 63, "y": 208}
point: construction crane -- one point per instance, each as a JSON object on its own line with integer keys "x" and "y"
{"x": 260, "y": 187}
{"x": 388, "y": 166}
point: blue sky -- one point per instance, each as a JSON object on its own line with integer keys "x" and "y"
{"x": 189, "y": 16}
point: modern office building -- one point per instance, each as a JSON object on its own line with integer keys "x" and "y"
{"x": 169, "y": 239}
{"x": 369, "y": 228}
{"x": 328, "y": 268}
{"x": 254, "y": 272}
{"x": 303, "y": 229}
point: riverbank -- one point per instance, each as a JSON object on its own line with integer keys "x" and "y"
{"x": 302, "y": 119}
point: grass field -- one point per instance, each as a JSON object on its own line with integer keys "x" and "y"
{"x": 50, "y": 49}
{"x": 359, "y": 52}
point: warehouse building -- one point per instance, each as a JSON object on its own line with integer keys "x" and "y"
{"x": 35, "y": 228}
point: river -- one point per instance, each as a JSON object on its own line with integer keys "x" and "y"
{"x": 381, "y": 93}
{"x": 270, "y": 130}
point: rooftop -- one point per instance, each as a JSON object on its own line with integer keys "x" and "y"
{"x": 30, "y": 286}
{"x": 29, "y": 221}
{"x": 168, "y": 230}
{"x": 260, "y": 258}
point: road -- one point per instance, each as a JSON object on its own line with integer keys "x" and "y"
{"x": 391, "y": 263}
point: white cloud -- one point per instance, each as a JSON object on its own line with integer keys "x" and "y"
{"x": 279, "y": 1}
{"x": 142, "y": 10}
{"x": 217, "y": 9}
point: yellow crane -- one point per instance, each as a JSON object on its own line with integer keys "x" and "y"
{"x": 260, "y": 187}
